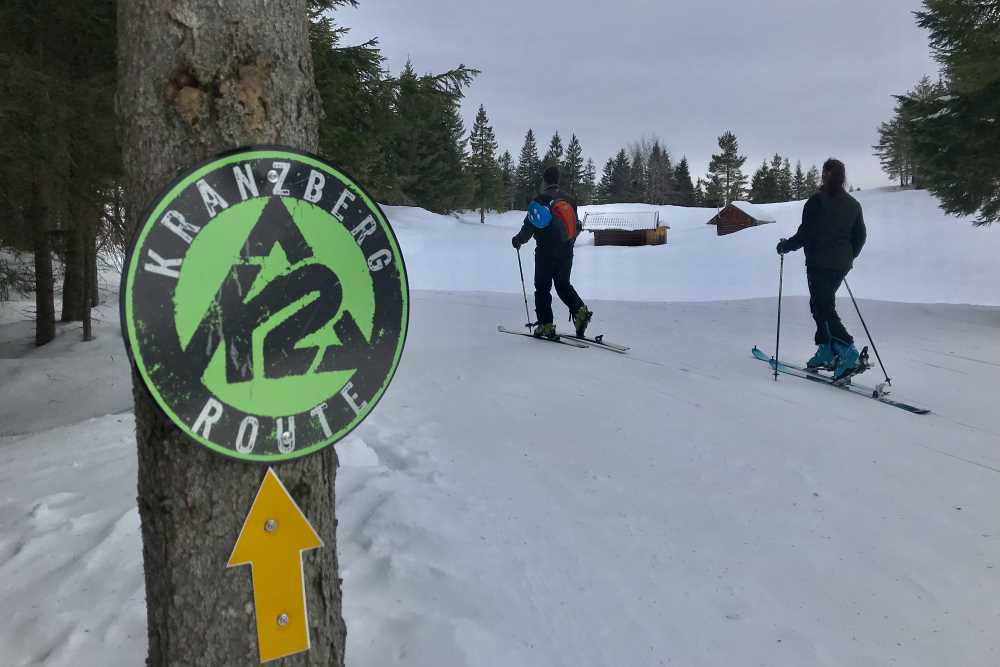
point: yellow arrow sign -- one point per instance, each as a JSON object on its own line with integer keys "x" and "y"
{"x": 272, "y": 540}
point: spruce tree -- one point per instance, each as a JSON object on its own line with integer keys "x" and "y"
{"x": 508, "y": 178}
{"x": 956, "y": 136}
{"x": 761, "y": 185}
{"x": 554, "y": 156}
{"x": 637, "y": 181}
{"x": 714, "y": 192}
{"x": 529, "y": 171}
{"x": 812, "y": 182}
{"x": 662, "y": 185}
{"x": 487, "y": 190}
{"x": 685, "y": 188}
{"x": 588, "y": 187}
{"x": 572, "y": 168}
{"x": 192, "y": 501}
{"x": 700, "y": 196}
{"x": 799, "y": 183}
{"x": 428, "y": 145}
{"x": 726, "y": 179}
{"x": 603, "y": 193}
{"x": 621, "y": 187}
{"x": 785, "y": 181}
{"x": 776, "y": 176}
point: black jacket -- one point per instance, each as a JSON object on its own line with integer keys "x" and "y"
{"x": 832, "y": 232}
{"x": 547, "y": 240}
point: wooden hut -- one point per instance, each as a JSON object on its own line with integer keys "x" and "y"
{"x": 626, "y": 228}
{"x": 739, "y": 215}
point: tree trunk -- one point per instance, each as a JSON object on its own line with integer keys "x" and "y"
{"x": 89, "y": 274}
{"x": 45, "y": 308}
{"x": 195, "y": 78}
{"x": 74, "y": 282}
{"x": 93, "y": 287}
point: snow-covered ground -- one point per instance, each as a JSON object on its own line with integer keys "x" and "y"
{"x": 519, "y": 503}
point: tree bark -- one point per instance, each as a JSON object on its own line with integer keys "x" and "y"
{"x": 197, "y": 77}
{"x": 45, "y": 308}
{"x": 93, "y": 286}
{"x": 89, "y": 277}
{"x": 74, "y": 281}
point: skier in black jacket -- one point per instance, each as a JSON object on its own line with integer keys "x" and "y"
{"x": 832, "y": 233}
{"x": 552, "y": 221}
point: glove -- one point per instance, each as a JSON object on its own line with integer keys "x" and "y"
{"x": 516, "y": 243}
{"x": 781, "y": 247}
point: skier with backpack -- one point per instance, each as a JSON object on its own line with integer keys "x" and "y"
{"x": 552, "y": 221}
{"x": 832, "y": 233}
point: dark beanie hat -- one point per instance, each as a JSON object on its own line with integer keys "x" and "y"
{"x": 551, "y": 175}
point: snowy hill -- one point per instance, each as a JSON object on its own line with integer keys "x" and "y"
{"x": 915, "y": 254}
{"x": 512, "y": 502}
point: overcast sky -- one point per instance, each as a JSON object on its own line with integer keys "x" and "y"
{"x": 804, "y": 78}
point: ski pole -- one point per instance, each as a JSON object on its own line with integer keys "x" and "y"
{"x": 867, "y": 333}
{"x": 520, "y": 268}
{"x": 777, "y": 342}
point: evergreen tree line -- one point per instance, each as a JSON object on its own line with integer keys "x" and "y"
{"x": 945, "y": 136}
{"x": 61, "y": 183}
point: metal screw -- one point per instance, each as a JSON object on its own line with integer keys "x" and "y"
{"x": 286, "y": 437}
{"x": 271, "y": 525}
{"x": 283, "y": 620}
{"x": 272, "y": 176}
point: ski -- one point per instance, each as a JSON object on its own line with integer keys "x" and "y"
{"x": 599, "y": 341}
{"x": 877, "y": 393}
{"x": 561, "y": 340}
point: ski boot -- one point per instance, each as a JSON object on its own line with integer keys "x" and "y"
{"x": 823, "y": 359}
{"x": 848, "y": 361}
{"x": 581, "y": 318}
{"x": 545, "y": 331}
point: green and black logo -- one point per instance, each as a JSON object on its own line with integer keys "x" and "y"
{"x": 265, "y": 303}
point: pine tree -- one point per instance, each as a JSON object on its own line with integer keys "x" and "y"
{"x": 554, "y": 156}
{"x": 714, "y": 191}
{"x": 427, "y": 144}
{"x": 762, "y": 184}
{"x": 685, "y": 188}
{"x": 956, "y": 136}
{"x": 637, "y": 188}
{"x": 508, "y": 177}
{"x": 621, "y": 188}
{"x": 60, "y": 156}
{"x": 785, "y": 181}
{"x": 357, "y": 103}
{"x": 725, "y": 175}
{"x": 183, "y": 486}
{"x": 700, "y": 196}
{"x": 529, "y": 171}
{"x": 812, "y": 182}
{"x": 588, "y": 187}
{"x": 485, "y": 172}
{"x": 572, "y": 168}
{"x": 662, "y": 187}
{"x": 799, "y": 183}
{"x": 604, "y": 188}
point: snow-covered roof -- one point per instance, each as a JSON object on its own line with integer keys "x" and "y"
{"x": 627, "y": 221}
{"x": 755, "y": 211}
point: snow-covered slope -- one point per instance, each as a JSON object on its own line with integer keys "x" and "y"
{"x": 512, "y": 502}
{"x": 915, "y": 254}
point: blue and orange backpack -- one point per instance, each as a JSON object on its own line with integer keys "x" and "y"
{"x": 541, "y": 216}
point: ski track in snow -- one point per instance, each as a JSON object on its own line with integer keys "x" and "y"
{"x": 513, "y": 503}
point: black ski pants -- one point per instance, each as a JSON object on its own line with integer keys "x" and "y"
{"x": 823, "y": 286}
{"x": 554, "y": 268}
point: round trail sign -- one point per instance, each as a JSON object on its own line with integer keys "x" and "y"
{"x": 265, "y": 303}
